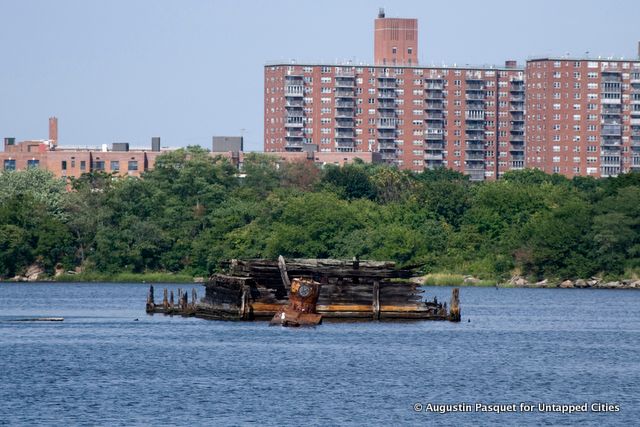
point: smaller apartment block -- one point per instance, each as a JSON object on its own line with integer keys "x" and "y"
{"x": 583, "y": 116}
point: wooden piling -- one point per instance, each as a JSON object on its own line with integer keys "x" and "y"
{"x": 454, "y": 309}
{"x": 165, "y": 300}
{"x": 171, "y": 300}
{"x": 375, "y": 305}
{"x": 150, "y": 303}
{"x": 282, "y": 266}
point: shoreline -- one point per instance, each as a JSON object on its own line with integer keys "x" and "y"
{"x": 460, "y": 280}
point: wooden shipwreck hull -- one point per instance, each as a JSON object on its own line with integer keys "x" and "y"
{"x": 349, "y": 289}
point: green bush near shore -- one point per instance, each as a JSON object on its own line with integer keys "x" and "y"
{"x": 445, "y": 279}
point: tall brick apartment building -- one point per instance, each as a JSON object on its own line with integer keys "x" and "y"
{"x": 583, "y": 116}
{"x": 470, "y": 119}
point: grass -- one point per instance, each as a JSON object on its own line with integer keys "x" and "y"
{"x": 126, "y": 277}
{"x": 446, "y": 279}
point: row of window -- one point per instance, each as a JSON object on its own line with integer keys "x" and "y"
{"x": 98, "y": 165}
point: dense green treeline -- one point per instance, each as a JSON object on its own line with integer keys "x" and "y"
{"x": 192, "y": 211}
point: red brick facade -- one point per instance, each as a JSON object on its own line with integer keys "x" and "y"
{"x": 467, "y": 119}
{"x": 583, "y": 116}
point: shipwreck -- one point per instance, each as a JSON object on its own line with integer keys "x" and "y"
{"x": 295, "y": 292}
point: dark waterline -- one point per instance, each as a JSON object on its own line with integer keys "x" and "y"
{"x": 100, "y": 367}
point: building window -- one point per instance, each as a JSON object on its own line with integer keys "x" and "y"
{"x": 63, "y": 165}
{"x": 394, "y": 50}
{"x": 99, "y": 165}
{"x": 33, "y": 163}
{"x": 115, "y": 165}
{"x": 10, "y": 165}
{"x": 133, "y": 165}
{"x": 83, "y": 165}
{"x": 409, "y": 51}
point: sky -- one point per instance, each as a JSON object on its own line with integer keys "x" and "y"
{"x": 127, "y": 70}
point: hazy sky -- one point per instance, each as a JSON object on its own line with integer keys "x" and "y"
{"x": 127, "y": 70}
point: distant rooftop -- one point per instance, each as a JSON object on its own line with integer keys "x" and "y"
{"x": 368, "y": 65}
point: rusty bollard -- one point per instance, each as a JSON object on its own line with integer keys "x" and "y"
{"x": 150, "y": 303}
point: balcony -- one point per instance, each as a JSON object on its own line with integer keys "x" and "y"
{"x": 388, "y": 156}
{"x": 516, "y": 86}
{"x": 608, "y": 101}
{"x": 293, "y": 146}
{"x": 387, "y": 84}
{"x": 475, "y": 97}
{"x": 293, "y": 124}
{"x": 434, "y": 156}
{"x": 610, "y": 77}
{"x": 386, "y": 145}
{"x": 435, "y": 136}
{"x": 611, "y": 130}
{"x": 386, "y": 93}
{"x": 344, "y": 123}
{"x": 434, "y": 146}
{"x": 517, "y": 165}
{"x": 475, "y": 175}
{"x": 433, "y": 105}
{"x": 517, "y": 128}
{"x": 345, "y": 104}
{"x": 342, "y": 92}
{"x": 294, "y": 134}
{"x": 435, "y": 125}
{"x": 386, "y": 105}
{"x": 345, "y": 73}
{"x": 475, "y": 104}
{"x": 344, "y": 144}
{"x": 474, "y": 116}
{"x": 606, "y": 171}
{"x": 434, "y": 85}
{"x": 611, "y": 110}
{"x": 517, "y": 98}
{"x": 433, "y": 95}
{"x": 474, "y": 165}
{"x": 610, "y": 161}
{"x": 474, "y": 85}
{"x": 344, "y": 134}
{"x": 386, "y": 134}
{"x": 474, "y": 157}
{"x": 294, "y": 91}
{"x": 434, "y": 116}
{"x": 293, "y": 79}
{"x": 294, "y": 103}
{"x": 608, "y": 141}
{"x": 386, "y": 123}
{"x": 474, "y": 146}
{"x": 475, "y": 126}
{"x": 634, "y": 121}
{"x": 346, "y": 83}
{"x": 344, "y": 114}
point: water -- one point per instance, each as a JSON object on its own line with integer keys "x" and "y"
{"x": 100, "y": 367}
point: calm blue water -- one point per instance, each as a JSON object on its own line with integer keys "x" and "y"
{"x": 100, "y": 367}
